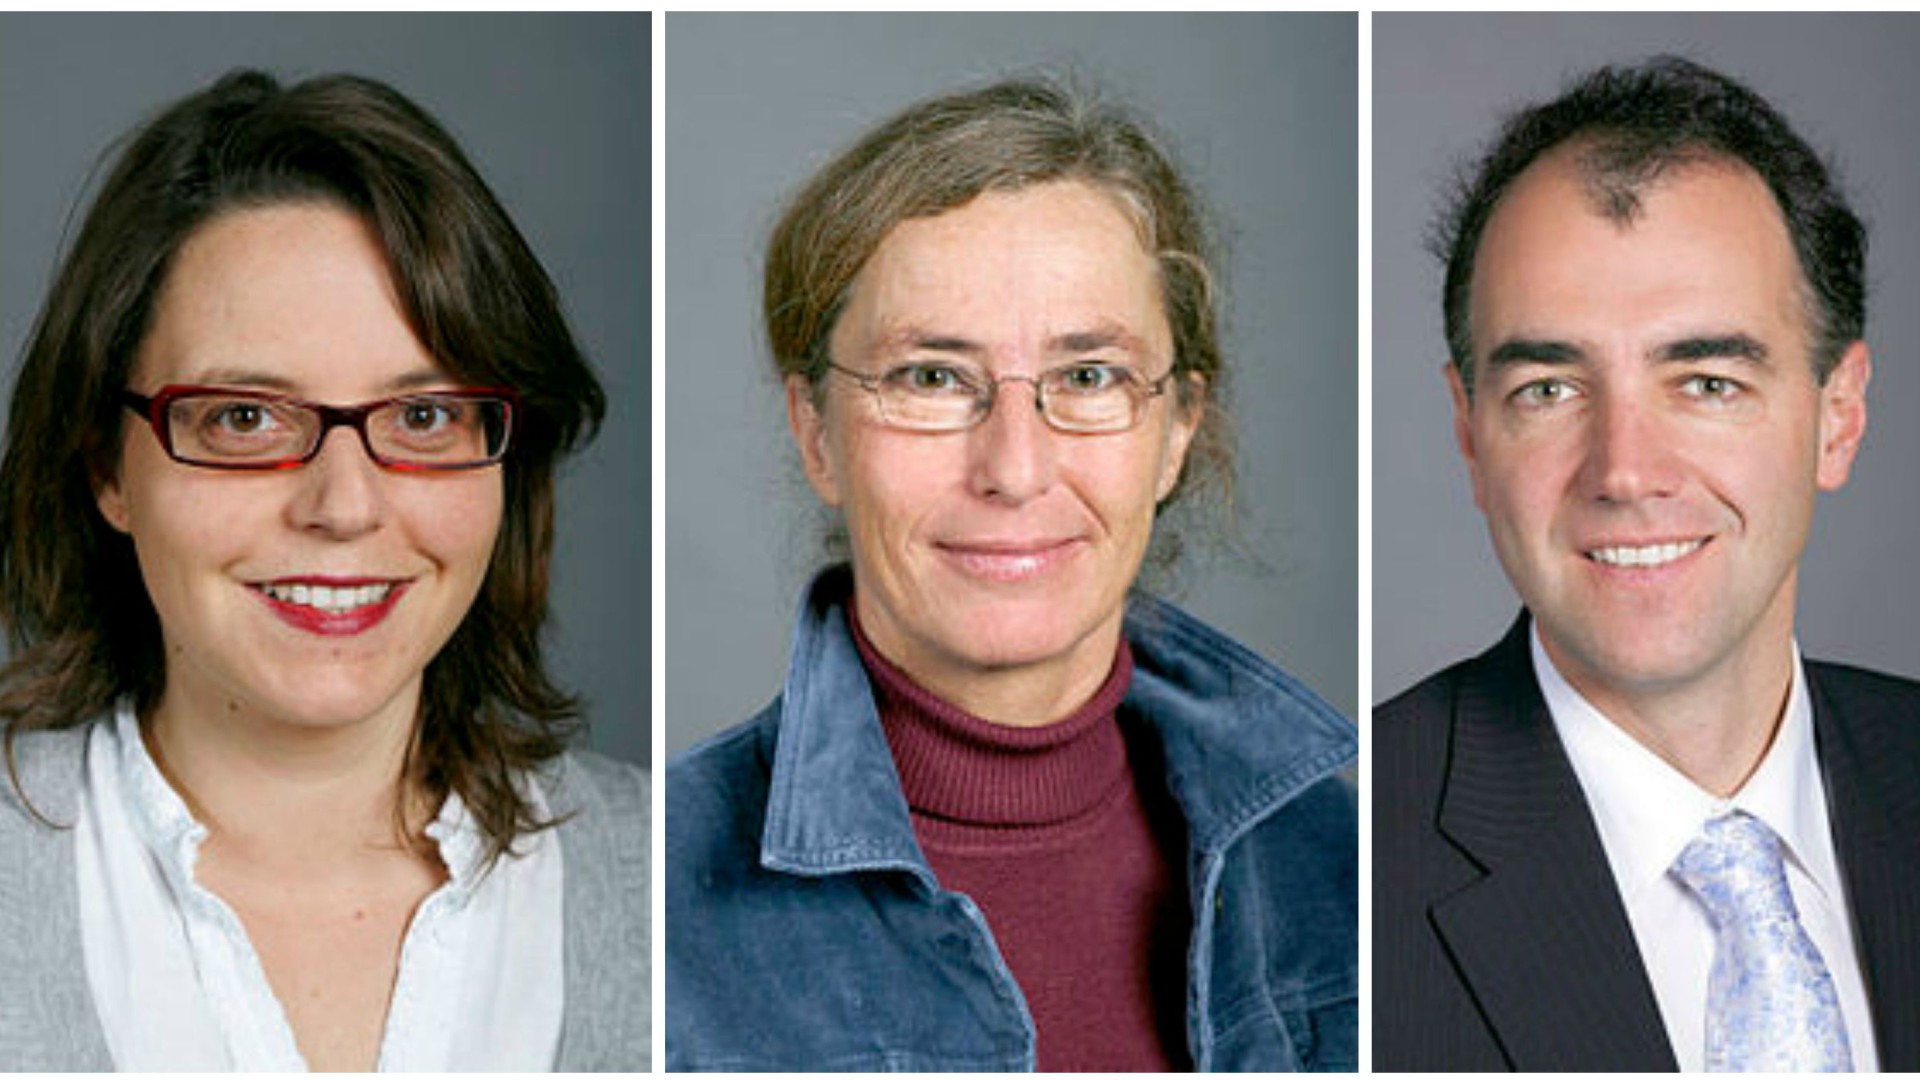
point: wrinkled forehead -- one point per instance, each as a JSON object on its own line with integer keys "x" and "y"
{"x": 1055, "y": 260}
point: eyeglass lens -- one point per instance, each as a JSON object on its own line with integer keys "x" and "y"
{"x": 1077, "y": 397}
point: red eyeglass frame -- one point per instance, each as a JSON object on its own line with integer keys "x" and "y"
{"x": 153, "y": 409}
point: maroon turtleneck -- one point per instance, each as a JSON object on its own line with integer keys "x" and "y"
{"x": 1074, "y": 862}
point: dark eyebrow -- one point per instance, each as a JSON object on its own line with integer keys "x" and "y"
{"x": 938, "y": 343}
{"x": 234, "y": 376}
{"x": 415, "y": 380}
{"x": 267, "y": 380}
{"x": 1528, "y": 351}
{"x": 1723, "y": 347}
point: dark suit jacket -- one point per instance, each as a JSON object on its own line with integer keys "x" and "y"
{"x": 1499, "y": 940}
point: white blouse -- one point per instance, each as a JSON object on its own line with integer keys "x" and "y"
{"x": 179, "y": 987}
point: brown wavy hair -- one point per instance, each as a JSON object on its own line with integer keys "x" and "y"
{"x": 81, "y": 629}
{"x": 947, "y": 151}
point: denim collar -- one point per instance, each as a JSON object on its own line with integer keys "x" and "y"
{"x": 1239, "y": 738}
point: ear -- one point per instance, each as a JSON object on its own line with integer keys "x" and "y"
{"x": 1186, "y": 417}
{"x": 810, "y": 436}
{"x": 1843, "y": 416}
{"x": 1463, "y": 426}
{"x": 112, "y": 502}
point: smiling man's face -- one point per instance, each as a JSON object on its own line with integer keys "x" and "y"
{"x": 1646, "y": 435}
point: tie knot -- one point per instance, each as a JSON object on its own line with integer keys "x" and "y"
{"x": 1734, "y": 866}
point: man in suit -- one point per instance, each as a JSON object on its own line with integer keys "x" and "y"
{"x": 1654, "y": 309}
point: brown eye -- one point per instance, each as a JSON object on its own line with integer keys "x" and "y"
{"x": 241, "y": 418}
{"x": 426, "y": 417}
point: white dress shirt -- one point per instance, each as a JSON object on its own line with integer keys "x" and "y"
{"x": 1647, "y": 812}
{"x": 179, "y": 987}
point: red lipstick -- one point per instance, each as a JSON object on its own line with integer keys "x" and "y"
{"x": 317, "y": 620}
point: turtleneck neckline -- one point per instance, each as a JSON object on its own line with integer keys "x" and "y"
{"x": 959, "y": 768}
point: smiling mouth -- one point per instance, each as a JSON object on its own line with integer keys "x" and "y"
{"x": 332, "y": 607}
{"x": 329, "y": 599}
{"x": 1645, "y": 555}
{"x": 1010, "y": 561}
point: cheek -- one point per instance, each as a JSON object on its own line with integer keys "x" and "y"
{"x": 179, "y": 520}
{"x": 888, "y": 484}
{"x": 458, "y": 523}
{"x": 1118, "y": 481}
{"x": 1515, "y": 479}
{"x": 1508, "y": 495}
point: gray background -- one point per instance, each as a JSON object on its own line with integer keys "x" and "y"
{"x": 1848, "y": 84}
{"x": 1263, "y": 111}
{"x": 553, "y": 111}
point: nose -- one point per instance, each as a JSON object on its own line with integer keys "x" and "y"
{"x": 1630, "y": 453}
{"x": 341, "y": 490}
{"x": 1012, "y": 450}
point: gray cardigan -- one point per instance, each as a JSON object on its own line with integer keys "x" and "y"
{"x": 47, "y": 1018}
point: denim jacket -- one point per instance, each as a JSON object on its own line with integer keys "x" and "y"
{"x": 806, "y": 930}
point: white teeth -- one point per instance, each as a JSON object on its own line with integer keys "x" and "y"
{"x": 1650, "y": 555}
{"x": 330, "y": 599}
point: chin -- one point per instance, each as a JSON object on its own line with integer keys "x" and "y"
{"x": 338, "y": 701}
{"x": 1006, "y": 639}
{"x": 1646, "y": 662}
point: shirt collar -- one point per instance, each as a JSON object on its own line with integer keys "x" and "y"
{"x": 171, "y": 834}
{"x": 1647, "y": 811}
{"x": 1239, "y": 738}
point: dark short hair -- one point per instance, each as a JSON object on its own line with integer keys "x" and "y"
{"x": 1636, "y": 123}
{"x": 947, "y": 151}
{"x": 81, "y": 627}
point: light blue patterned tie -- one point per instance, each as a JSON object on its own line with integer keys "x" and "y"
{"x": 1771, "y": 1005}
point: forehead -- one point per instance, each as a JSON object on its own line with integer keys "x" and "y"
{"x": 1055, "y": 258}
{"x": 300, "y": 292}
{"x": 1707, "y": 248}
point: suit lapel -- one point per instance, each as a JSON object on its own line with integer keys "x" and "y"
{"x": 1542, "y": 940}
{"x": 1868, "y": 733}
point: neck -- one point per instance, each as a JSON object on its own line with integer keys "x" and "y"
{"x": 1714, "y": 728}
{"x": 973, "y": 774}
{"x": 1014, "y": 695}
{"x": 266, "y": 787}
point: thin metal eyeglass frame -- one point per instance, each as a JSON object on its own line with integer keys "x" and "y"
{"x": 983, "y": 405}
{"x": 153, "y": 408}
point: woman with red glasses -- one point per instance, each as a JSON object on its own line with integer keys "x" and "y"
{"x": 289, "y": 784}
